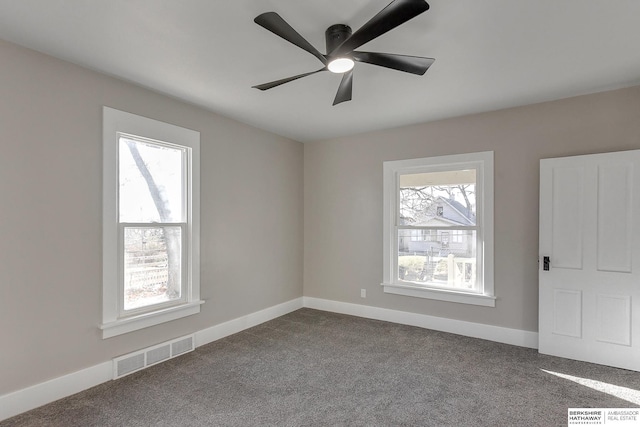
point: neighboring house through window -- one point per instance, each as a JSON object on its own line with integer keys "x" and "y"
{"x": 438, "y": 228}
{"x": 150, "y": 222}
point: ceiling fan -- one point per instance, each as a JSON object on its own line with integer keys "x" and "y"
{"x": 341, "y": 45}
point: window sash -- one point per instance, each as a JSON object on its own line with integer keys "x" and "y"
{"x": 478, "y": 283}
{"x": 184, "y": 273}
{"x": 476, "y": 166}
{"x": 185, "y": 172}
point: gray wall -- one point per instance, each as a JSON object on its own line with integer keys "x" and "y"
{"x": 50, "y": 216}
{"x": 343, "y": 197}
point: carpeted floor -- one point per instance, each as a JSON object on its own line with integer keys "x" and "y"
{"x": 313, "y": 368}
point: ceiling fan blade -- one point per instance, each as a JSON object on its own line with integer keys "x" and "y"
{"x": 396, "y": 13}
{"x": 408, "y": 64}
{"x": 275, "y": 83}
{"x": 274, "y": 23}
{"x": 345, "y": 88}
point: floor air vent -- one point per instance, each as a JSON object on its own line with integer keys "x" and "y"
{"x": 132, "y": 362}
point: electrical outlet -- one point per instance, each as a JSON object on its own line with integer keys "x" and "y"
{"x": 363, "y": 293}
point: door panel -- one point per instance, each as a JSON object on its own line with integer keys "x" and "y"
{"x": 567, "y": 313}
{"x": 567, "y": 217}
{"x": 613, "y": 319}
{"x": 614, "y": 218}
{"x": 590, "y": 230}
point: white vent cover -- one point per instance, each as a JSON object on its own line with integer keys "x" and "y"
{"x": 132, "y": 362}
{"x": 182, "y": 345}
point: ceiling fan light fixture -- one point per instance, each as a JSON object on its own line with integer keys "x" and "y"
{"x": 340, "y": 65}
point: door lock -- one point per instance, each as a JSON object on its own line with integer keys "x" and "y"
{"x": 546, "y": 263}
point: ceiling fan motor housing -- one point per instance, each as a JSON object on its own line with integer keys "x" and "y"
{"x": 336, "y": 35}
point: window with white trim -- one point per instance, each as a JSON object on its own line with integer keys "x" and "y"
{"x": 438, "y": 228}
{"x": 151, "y": 222}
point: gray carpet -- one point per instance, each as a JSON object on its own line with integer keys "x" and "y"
{"x": 313, "y": 368}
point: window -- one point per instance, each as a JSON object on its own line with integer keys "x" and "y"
{"x": 448, "y": 202}
{"x": 150, "y": 222}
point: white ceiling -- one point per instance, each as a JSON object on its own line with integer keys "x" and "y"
{"x": 490, "y": 54}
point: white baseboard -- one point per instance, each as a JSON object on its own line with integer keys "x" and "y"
{"x": 234, "y": 326}
{"x": 40, "y": 394}
{"x": 20, "y": 401}
{"x": 469, "y": 329}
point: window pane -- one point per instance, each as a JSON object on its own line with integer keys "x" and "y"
{"x": 152, "y": 266}
{"x": 438, "y": 199}
{"x": 444, "y": 258}
{"x": 151, "y": 184}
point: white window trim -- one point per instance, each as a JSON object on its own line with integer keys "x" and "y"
{"x": 116, "y": 122}
{"x": 392, "y": 170}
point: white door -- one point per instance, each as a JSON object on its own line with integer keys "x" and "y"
{"x": 590, "y": 232}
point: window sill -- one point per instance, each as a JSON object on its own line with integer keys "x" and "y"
{"x": 130, "y": 324}
{"x": 439, "y": 294}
